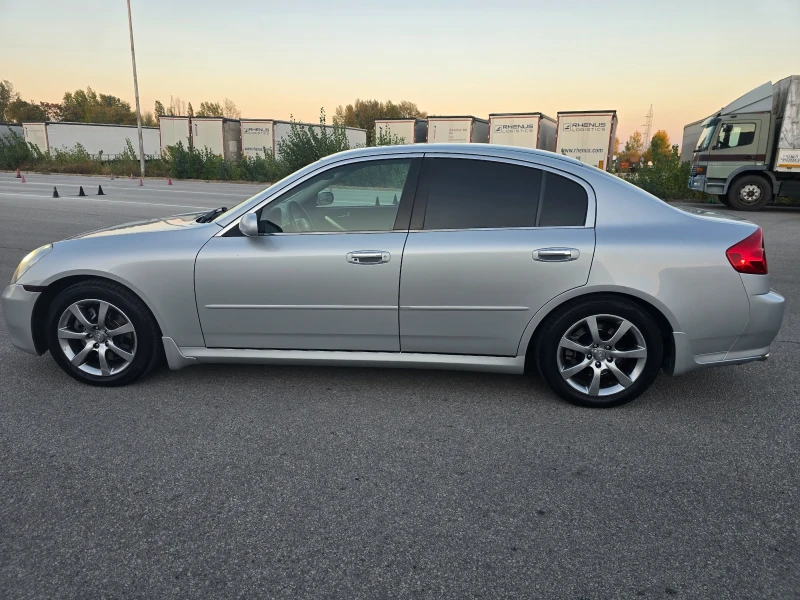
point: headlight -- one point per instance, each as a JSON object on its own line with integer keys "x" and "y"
{"x": 30, "y": 260}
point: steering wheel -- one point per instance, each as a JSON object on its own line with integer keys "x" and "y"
{"x": 299, "y": 216}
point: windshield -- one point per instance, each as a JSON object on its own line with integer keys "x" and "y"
{"x": 706, "y": 135}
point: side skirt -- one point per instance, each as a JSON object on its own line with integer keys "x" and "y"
{"x": 179, "y": 358}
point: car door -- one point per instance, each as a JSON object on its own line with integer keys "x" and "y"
{"x": 491, "y": 242}
{"x": 737, "y": 144}
{"x": 312, "y": 279}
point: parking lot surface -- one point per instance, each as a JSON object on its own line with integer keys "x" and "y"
{"x": 300, "y": 482}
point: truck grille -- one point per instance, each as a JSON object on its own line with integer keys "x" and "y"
{"x": 693, "y": 172}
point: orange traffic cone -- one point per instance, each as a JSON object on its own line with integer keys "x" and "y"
{"x": 131, "y": 176}
{"x": 169, "y": 181}
{"x": 23, "y": 179}
{"x": 112, "y": 177}
{"x": 17, "y": 176}
{"x": 141, "y": 183}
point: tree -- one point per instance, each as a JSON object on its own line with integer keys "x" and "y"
{"x": 52, "y": 110}
{"x": 189, "y": 110}
{"x": 660, "y": 147}
{"x": 148, "y": 120}
{"x": 632, "y": 153}
{"x": 210, "y": 109}
{"x": 616, "y": 145}
{"x": 177, "y": 107}
{"x": 19, "y": 111}
{"x": 7, "y": 96}
{"x": 229, "y": 109}
{"x": 362, "y": 113}
{"x": 159, "y": 110}
{"x": 90, "y": 107}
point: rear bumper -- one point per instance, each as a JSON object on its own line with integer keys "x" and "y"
{"x": 18, "y": 310}
{"x": 766, "y": 316}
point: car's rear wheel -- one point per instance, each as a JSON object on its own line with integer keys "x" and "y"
{"x": 600, "y": 353}
{"x": 102, "y": 334}
{"x": 751, "y": 192}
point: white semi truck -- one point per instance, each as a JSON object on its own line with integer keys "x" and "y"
{"x": 411, "y": 131}
{"x": 264, "y": 135}
{"x": 220, "y": 135}
{"x": 99, "y": 140}
{"x": 587, "y": 135}
{"x": 458, "y": 130}
{"x": 526, "y": 130}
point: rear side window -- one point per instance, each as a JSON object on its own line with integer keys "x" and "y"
{"x": 565, "y": 202}
{"x": 479, "y": 194}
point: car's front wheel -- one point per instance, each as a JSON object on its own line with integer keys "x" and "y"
{"x": 601, "y": 352}
{"x": 102, "y": 334}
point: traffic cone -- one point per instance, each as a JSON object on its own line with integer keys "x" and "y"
{"x": 395, "y": 199}
{"x": 169, "y": 181}
{"x": 377, "y": 201}
{"x": 81, "y": 192}
{"x": 100, "y": 190}
{"x": 112, "y": 177}
{"x": 141, "y": 182}
{"x": 17, "y": 176}
{"x": 23, "y": 179}
{"x": 131, "y": 176}
{"x": 55, "y": 193}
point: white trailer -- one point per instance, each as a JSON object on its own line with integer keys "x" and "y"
{"x": 174, "y": 130}
{"x": 411, "y": 131}
{"x": 588, "y": 136}
{"x": 458, "y": 130}
{"x": 260, "y": 134}
{"x": 6, "y": 129}
{"x": 220, "y": 135}
{"x": 691, "y": 135}
{"x": 99, "y": 140}
{"x": 526, "y": 130}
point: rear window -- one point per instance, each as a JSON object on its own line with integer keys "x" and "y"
{"x": 565, "y": 202}
{"x": 479, "y": 194}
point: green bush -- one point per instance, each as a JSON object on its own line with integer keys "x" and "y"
{"x": 14, "y": 152}
{"x": 305, "y": 145}
{"x": 667, "y": 179}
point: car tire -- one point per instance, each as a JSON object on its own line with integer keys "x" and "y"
{"x": 124, "y": 337}
{"x": 723, "y": 199}
{"x": 750, "y": 193}
{"x": 618, "y": 370}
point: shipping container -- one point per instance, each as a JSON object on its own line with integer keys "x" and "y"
{"x": 411, "y": 131}
{"x": 526, "y": 130}
{"x": 174, "y": 130}
{"x": 220, "y": 135}
{"x": 98, "y": 139}
{"x": 587, "y": 136}
{"x": 258, "y": 134}
{"x": 458, "y": 130}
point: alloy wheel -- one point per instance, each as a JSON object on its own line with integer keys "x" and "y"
{"x": 602, "y": 355}
{"x": 97, "y": 337}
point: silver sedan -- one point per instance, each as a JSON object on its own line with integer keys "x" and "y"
{"x": 475, "y": 257}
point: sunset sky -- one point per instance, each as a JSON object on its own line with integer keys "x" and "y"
{"x": 687, "y": 58}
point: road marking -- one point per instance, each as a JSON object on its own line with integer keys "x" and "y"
{"x": 80, "y": 199}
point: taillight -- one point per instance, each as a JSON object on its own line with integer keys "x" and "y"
{"x": 749, "y": 256}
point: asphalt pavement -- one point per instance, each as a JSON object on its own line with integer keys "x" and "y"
{"x": 299, "y": 482}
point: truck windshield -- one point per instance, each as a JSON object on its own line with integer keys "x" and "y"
{"x": 705, "y": 137}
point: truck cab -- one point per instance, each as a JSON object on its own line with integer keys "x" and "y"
{"x": 735, "y": 156}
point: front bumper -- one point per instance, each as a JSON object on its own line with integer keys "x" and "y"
{"x": 697, "y": 183}
{"x": 18, "y": 306}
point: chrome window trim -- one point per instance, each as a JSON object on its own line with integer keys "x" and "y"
{"x": 326, "y": 167}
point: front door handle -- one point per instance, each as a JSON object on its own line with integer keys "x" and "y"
{"x": 368, "y": 257}
{"x": 556, "y": 254}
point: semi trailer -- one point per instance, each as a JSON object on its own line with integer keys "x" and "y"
{"x": 588, "y": 136}
{"x": 526, "y": 130}
{"x": 458, "y": 130}
{"x": 260, "y": 136}
{"x": 99, "y": 140}
{"x": 411, "y": 131}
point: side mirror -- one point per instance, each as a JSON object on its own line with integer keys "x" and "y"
{"x": 324, "y": 198}
{"x": 248, "y": 225}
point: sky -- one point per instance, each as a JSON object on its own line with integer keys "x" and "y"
{"x": 687, "y": 58}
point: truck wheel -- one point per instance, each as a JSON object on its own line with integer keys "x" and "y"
{"x": 751, "y": 192}
{"x": 723, "y": 200}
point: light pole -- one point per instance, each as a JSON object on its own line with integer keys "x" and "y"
{"x": 136, "y": 92}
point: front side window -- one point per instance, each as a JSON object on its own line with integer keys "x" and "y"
{"x": 735, "y": 135}
{"x": 362, "y": 196}
{"x": 479, "y": 194}
{"x": 706, "y": 135}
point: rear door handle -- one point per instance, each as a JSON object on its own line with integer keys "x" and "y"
{"x": 368, "y": 257}
{"x": 556, "y": 254}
